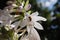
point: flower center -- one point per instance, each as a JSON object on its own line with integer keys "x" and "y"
{"x": 30, "y": 18}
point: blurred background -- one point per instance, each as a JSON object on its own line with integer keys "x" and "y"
{"x": 49, "y": 9}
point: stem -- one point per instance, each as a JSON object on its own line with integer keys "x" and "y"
{"x": 23, "y": 32}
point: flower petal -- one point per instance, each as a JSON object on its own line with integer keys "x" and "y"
{"x": 14, "y": 5}
{"x": 25, "y": 37}
{"x": 38, "y": 26}
{"x": 16, "y": 24}
{"x": 12, "y": 26}
{"x": 23, "y": 23}
{"x": 33, "y": 35}
{"x": 1, "y": 21}
{"x": 29, "y": 28}
{"x": 37, "y": 18}
{"x": 34, "y": 14}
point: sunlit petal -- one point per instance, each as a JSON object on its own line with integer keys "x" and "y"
{"x": 37, "y": 18}
{"x": 12, "y": 26}
{"x": 29, "y": 28}
{"x": 16, "y": 23}
{"x": 23, "y": 23}
{"x": 5, "y": 17}
{"x": 38, "y": 26}
{"x": 34, "y": 35}
{"x": 14, "y": 5}
{"x": 25, "y": 37}
{"x": 34, "y": 14}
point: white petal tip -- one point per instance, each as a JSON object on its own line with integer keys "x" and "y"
{"x": 14, "y": 5}
{"x": 41, "y": 29}
{"x": 45, "y": 19}
{"x": 12, "y": 26}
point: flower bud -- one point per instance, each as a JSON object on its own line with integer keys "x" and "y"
{"x": 9, "y": 3}
{"x": 28, "y": 7}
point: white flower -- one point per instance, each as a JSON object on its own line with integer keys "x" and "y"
{"x": 16, "y": 24}
{"x": 5, "y": 17}
{"x": 32, "y": 36}
{"x": 25, "y": 37}
{"x": 31, "y": 21}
